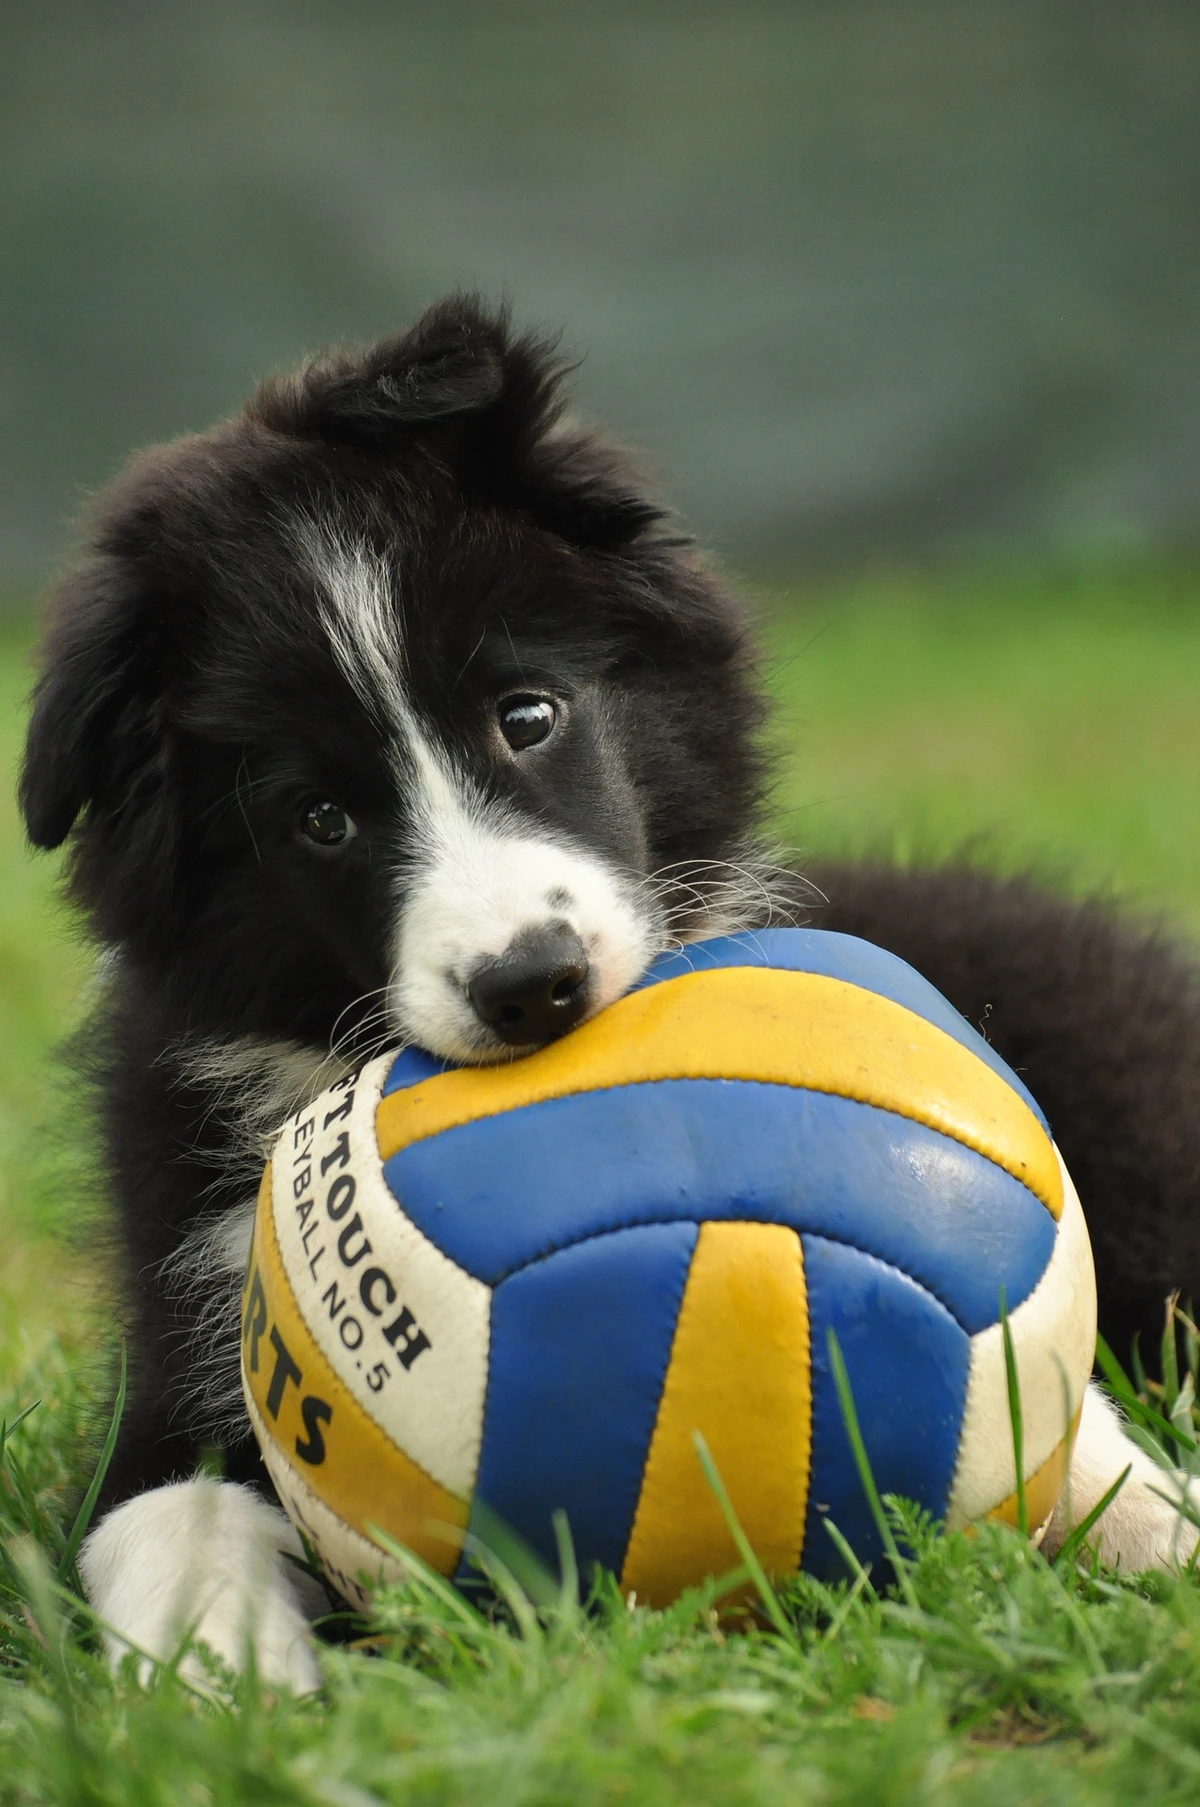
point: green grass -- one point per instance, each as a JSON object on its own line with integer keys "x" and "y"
{"x": 1050, "y": 724}
{"x": 42, "y": 968}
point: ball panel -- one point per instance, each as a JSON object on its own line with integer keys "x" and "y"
{"x": 781, "y": 1028}
{"x": 405, "y": 1328}
{"x": 316, "y": 1427}
{"x": 410, "y": 1066}
{"x": 739, "y": 1373}
{"x": 907, "y": 1361}
{"x": 580, "y": 1345}
{"x": 839, "y": 956}
{"x": 713, "y": 1149}
{"x": 1054, "y": 1341}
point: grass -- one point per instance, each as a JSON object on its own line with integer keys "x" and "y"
{"x": 1049, "y": 723}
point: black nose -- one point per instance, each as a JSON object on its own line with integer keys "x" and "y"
{"x": 536, "y": 990}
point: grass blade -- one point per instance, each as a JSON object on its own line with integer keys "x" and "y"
{"x": 41, "y": 1527}
{"x": 860, "y": 1571}
{"x": 1076, "y": 1536}
{"x": 1182, "y": 1505}
{"x": 1140, "y": 1382}
{"x": 443, "y": 1591}
{"x": 568, "y": 1568}
{"x": 1118, "y": 1385}
{"x": 754, "y": 1567}
{"x": 862, "y": 1462}
{"x": 534, "y": 1577}
{"x": 506, "y": 1587}
{"x": 1015, "y": 1415}
{"x": 7, "y": 1429}
{"x": 859, "y": 1586}
{"x": 1191, "y": 1338}
{"x": 1170, "y": 1355}
{"x": 83, "y": 1518}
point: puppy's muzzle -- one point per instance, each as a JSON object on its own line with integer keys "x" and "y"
{"x": 536, "y": 990}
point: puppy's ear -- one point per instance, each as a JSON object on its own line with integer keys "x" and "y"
{"x": 89, "y": 732}
{"x": 450, "y": 365}
{"x": 487, "y": 405}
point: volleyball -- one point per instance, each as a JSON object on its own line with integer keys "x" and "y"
{"x": 503, "y": 1293}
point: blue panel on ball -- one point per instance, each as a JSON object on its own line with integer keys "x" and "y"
{"x": 410, "y": 1067}
{"x": 579, "y": 1349}
{"x": 907, "y": 1361}
{"x": 497, "y": 1194}
{"x": 845, "y": 957}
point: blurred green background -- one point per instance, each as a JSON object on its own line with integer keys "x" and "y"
{"x": 899, "y": 300}
{"x": 867, "y": 280}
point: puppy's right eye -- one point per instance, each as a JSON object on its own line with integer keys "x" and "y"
{"x": 327, "y": 823}
{"x": 525, "y": 721}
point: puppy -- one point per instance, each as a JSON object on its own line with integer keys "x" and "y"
{"x": 394, "y": 709}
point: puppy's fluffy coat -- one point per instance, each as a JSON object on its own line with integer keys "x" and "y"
{"x": 364, "y": 707}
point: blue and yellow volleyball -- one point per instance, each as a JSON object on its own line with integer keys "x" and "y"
{"x": 500, "y": 1294}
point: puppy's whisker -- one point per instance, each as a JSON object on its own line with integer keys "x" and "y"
{"x": 376, "y": 991}
{"x": 702, "y": 897}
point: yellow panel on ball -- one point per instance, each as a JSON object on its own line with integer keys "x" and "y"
{"x": 738, "y": 1374}
{"x": 777, "y": 1028}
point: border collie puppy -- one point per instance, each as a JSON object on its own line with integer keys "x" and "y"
{"x": 393, "y": 709}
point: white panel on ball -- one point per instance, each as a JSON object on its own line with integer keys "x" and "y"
{"x": 1054, "y": 1342}
{"x": 405, "y": 1328}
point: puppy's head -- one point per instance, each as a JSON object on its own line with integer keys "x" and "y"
{"x": 391, "y": 708}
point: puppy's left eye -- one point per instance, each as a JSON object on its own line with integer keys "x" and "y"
{"x": 526, "y": 720}
{"x": 327, "y": 823}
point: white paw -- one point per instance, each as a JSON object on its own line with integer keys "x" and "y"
{"x": 1141, "y": 1529}
{"x": 204, "y": 1562}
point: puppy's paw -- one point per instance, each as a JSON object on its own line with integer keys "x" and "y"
{"x": 1141, "y": 1529}
{"x": 204, "y": 1562}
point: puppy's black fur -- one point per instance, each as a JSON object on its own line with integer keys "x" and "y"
{"x": 189, "y": 710}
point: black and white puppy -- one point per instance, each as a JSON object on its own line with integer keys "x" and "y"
{"x": 392, "y": 709}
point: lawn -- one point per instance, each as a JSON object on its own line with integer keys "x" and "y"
{"x": 1048, "y": 724}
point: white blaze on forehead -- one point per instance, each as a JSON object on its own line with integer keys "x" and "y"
{"x": 365, "y": 627}
{"x": 363, "y": 621}
{"x": 474, "y": 873}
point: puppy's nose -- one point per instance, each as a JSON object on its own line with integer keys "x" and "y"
{"x": 536, "y": 990}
